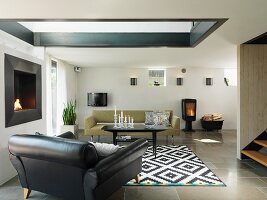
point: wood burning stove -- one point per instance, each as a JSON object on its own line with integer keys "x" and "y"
{"x": 23, "y": 91}
{"x": 189, "y": 108}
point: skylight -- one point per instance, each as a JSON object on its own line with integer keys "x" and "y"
{"x": 110, "y": 27}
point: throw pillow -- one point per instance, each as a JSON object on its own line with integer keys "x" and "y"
{"x": 104, "y": 149}
{"x": 157, "y": 118}
{"x": 149, "y": 118}
{"x": 162, "y": 118}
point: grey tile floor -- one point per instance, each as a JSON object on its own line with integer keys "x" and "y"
{"x": 246, "y": 180}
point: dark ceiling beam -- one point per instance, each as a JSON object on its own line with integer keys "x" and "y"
{"x": 17, "y": 30}
{"x": 112, "y": 39}
{"x": 201, "y": 30}
{"x": 261, "y": 39}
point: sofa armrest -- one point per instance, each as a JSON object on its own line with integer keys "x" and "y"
{"x": 175, "y": 123}
{"x": 89, "y": 122}
{"x": 112, "y": 164}
{"x": 67, "y": 135}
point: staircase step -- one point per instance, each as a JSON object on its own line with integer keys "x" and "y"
{"x": 261, "y": 142}
{"x": 257, "y": 156}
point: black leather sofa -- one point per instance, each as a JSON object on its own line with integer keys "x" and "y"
{"x": 71, "y": 169}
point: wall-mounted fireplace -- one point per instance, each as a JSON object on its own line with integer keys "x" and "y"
{"x": 189, "y": 108}
{"x": 23, "y": 91}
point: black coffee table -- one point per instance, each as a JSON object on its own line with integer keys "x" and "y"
{"x": 137, "y": 128}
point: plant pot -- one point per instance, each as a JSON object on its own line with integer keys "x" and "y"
{"x": 72, "y": 128}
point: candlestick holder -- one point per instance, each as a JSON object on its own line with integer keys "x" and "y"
{"x": 115, "y": 121}
{"x": 131, "y": 124}
{"x": 121, "y": 124}
{"x": 125, "y": 123}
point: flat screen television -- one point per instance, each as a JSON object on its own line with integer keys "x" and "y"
{"x": 97, "y": 99}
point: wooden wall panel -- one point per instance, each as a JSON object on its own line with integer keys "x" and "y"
{"x": 253, "y": 92}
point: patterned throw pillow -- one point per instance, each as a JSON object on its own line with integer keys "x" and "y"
{"x": 149, "y": 118}
{"x": 162, "y": 118}
{"x": 158, "y": 118}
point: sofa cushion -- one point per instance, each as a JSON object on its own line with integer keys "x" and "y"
{"x": 104, "y": 149}
{"x": 163, "y": 118}
{"x": 158, "y": 118}
{"x": 149, "y": 118}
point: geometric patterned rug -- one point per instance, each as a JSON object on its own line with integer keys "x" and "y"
{"x": 174, "y": 166}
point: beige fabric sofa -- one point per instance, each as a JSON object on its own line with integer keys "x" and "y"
{"x": 100, "y": 118}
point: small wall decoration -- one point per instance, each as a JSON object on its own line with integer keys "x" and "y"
{"x": 209, "y": 81}
{"x": 179, "y": 81}
{"x": 157, "y": 77}
{"x": 133, "y": 81}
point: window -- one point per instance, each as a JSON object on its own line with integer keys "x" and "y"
{"x": 157, "y": 77}
{"x": 54, "y": 94}
{"x": 230, "y": 77}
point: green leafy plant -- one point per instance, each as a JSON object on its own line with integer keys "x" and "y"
{"x": 69, "y": 113}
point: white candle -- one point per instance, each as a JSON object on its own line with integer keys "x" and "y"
{"x": 121, "y": 113}
{"x": 132, "y": 120}
{"x": 115, "y": 111}
{"x": 129, "y": 119}
{"x": 119, "y": 119}
{"x": 125, "y": 120}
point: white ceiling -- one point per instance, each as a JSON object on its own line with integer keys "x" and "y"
{"x": 247, "y": 19}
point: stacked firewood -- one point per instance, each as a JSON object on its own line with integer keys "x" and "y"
{"x": 212, "y": 117}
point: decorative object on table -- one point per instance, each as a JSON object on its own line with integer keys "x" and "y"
{"x": 123, "y": 137}
{"x": 174, "y": 166}
{"x": 211, "y": 122}
{"x": 123, "y": 121}
{"x": 69, "y": 118}
{"x": 189, "y": 108}
{"x": 209, "y": 81}
{"x": 179, "y": 81}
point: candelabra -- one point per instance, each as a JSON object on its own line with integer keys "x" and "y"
{"x": 121, "y": 122}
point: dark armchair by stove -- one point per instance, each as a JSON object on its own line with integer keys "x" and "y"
{"x": 71, "y": 169}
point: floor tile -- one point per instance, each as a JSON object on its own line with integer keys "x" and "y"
{"x": 263, "y": 190}
{"x": 155, "y": 193}
{"x": 220, "y": 193}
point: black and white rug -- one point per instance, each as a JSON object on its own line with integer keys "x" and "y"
{"x": 175, "y": 166}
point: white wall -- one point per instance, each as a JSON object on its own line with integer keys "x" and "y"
{"x": 66, "y": 90}
{"x": 116, "y": 82}
{"x": 12, "y": 46}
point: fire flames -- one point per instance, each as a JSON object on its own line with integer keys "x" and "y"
{"x": 191, "y": 112}
{"x": 17, "y": 105}
{"x": 190, "y": 109}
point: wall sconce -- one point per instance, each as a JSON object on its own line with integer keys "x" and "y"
{"x": 179, "y": 81}
{"x": 133, "y": 81}
{"x": 209, "y": 81}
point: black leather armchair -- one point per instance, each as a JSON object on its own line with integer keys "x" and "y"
{"x": 71, "y": 169}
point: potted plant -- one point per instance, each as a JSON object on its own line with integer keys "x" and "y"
{"x": 69, "y": 118}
